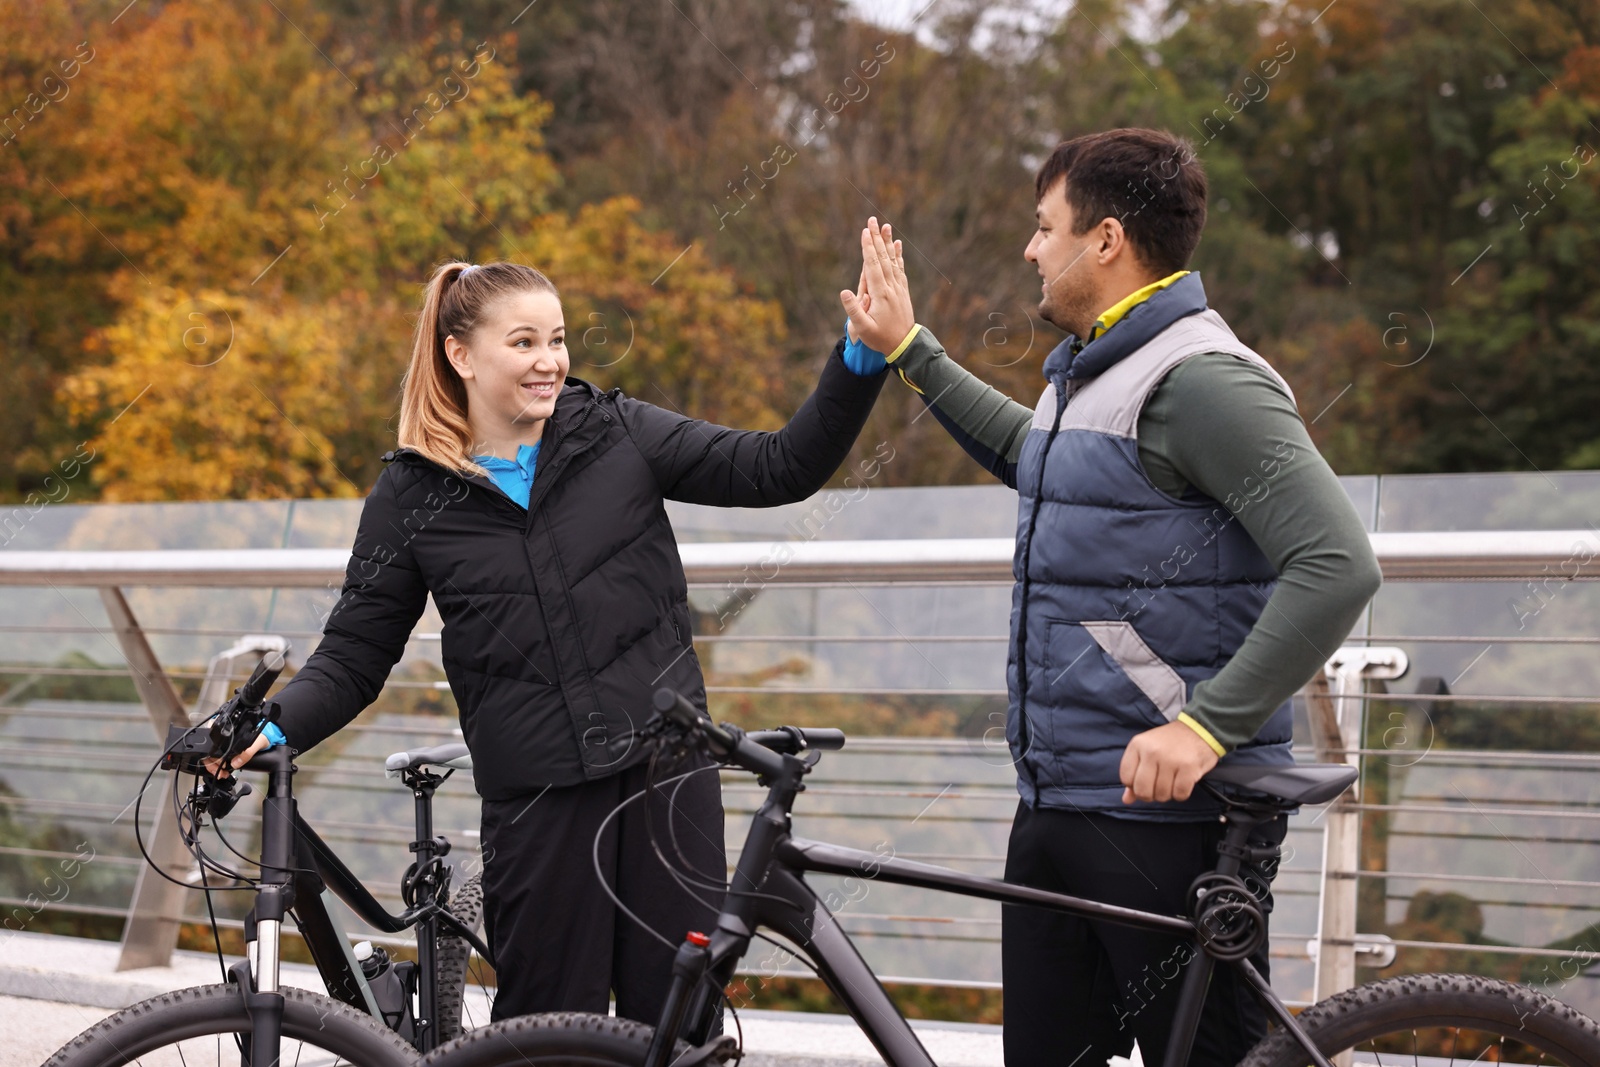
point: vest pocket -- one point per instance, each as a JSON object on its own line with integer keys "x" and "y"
{"x": 1096, "y": 665}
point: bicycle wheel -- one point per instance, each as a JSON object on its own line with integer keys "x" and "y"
{"x": 194, "y": 1027}
{"x": 451, "y": 956}
{"x": 1438, "y": 1019}
{"x": 556, "y": 1039}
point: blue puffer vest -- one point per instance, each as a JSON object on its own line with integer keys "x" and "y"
{"x": 1125, "y": 597}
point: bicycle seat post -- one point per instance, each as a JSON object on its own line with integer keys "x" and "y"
{"x": 1240, "y": 817}
{"x": 424, "y": 881}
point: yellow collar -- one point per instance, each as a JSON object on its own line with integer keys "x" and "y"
{"x": 1113, "y": 314}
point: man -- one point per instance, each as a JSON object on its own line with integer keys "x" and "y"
{"x": 1185, "y": 561}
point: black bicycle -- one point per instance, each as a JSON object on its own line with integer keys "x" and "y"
{"x": 379, "y": 1011}
{"x": 1416, "y": 1019}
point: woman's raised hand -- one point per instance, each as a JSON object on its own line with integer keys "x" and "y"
{"x": 863, "y": 301}
{"x": 881, "y": 316}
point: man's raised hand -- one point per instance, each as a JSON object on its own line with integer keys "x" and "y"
{"x": 882, "y": 315}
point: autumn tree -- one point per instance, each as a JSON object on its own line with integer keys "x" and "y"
{"x": 275, "y": 207}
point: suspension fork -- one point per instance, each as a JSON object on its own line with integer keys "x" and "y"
{"x": 263, "y": 998}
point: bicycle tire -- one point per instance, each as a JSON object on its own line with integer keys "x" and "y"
{"x": 1462, "y": 1013}
{"x": 137, "y": 1033}
{"x": 553, "y": 1039}
{"x": 451, "y": 956}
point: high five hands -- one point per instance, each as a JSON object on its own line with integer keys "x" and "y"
{"x": 880, "y": 312}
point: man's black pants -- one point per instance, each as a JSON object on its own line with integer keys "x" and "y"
{"x": 1079, "y": 991}
{"x": 559, "y": 942}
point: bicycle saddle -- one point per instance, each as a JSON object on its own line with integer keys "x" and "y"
{"x": 454, "y": 755}
{"x": 1304, "y": 783}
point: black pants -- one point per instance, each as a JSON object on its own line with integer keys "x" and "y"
{"x": 559, "y": 942}
{"x": 1079, "y": 991}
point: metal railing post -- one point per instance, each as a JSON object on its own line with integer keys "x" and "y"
{"x": 1337, "y": 716}
{"x": 151, "y": 932}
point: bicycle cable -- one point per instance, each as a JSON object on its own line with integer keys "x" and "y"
{"x": 651, "y": 790}
{"x": 197, "y": 850}
{"x": 138, "y": 804}
{"x": 725, "y": 888}
{"x": 600, "y": 873}
{"x": 217, "y": 828}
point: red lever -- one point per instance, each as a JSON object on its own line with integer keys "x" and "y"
{"x": 695, "y": 937}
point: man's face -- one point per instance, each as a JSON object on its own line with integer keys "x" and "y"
{"x": 1069, "y": 291}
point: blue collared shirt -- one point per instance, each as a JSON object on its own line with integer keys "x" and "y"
{"x": 514, "y": 476}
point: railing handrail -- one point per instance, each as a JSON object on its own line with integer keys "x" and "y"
{"x": 1472, "y": 554}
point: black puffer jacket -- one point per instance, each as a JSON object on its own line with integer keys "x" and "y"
{"x": 561, "y": 620}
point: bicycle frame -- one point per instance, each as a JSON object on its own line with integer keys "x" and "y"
{"x": 297, "y": 868}
{"x": 768, "y": 890}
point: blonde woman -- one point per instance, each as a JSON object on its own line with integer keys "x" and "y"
{"x": 529, "y": 504}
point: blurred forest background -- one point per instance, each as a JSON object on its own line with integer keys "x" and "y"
{"x": 217, "y": 216}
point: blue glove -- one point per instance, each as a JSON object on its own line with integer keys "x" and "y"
{"x": 274, "y": 735}
{"x": 859, "y": 358}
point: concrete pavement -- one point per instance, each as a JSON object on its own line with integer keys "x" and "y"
{"x": 52, "y": 988}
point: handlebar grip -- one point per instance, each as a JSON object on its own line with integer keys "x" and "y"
{"x": 796, "y": 739}
{"x": 254, "y": 691}
{"x": 825, "y": 738}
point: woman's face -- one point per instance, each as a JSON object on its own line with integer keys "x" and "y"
{"x": 513, "y": 363}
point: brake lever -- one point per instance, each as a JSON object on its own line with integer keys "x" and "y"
{"x": 219, "y": 795}
{"x": 676, "y": 741}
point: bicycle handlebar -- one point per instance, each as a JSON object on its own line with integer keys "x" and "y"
{"x": 794, "y": 739}
{"x": 235, "y": 724}
{"x": 760, "y": 752}
{"x": 254, "y": 690}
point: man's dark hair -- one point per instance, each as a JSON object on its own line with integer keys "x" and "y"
{"x": 1148, "y": 180}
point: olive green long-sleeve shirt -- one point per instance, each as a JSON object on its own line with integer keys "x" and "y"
{"x": 1223, "y": 426}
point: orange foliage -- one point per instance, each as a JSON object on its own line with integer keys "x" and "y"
{"x": 274, "y": 212}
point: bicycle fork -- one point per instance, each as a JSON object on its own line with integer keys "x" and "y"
{"x": 258, "y": 976}
{"x": 257, "y": 979}
{"x": 688, "y": 969}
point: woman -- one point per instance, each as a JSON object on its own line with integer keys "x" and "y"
{"x": 530, "y": 505}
